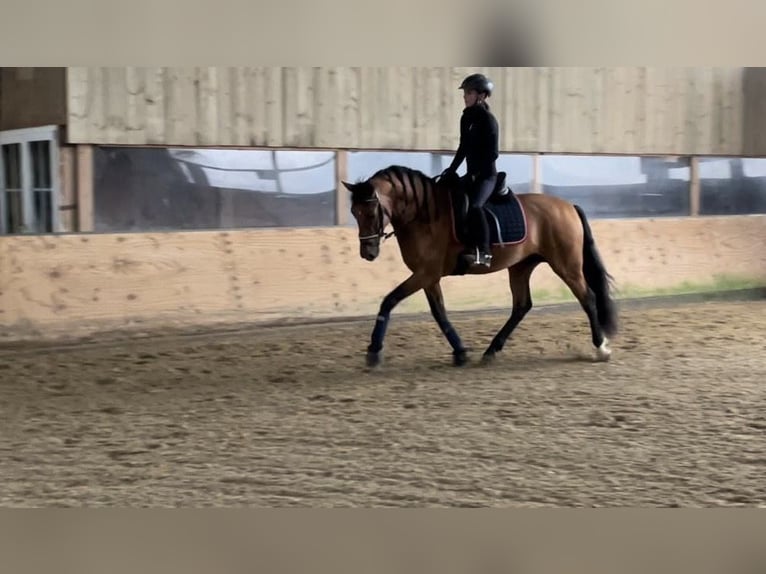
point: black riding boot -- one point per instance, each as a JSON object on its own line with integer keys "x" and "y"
{"x": 480, "y": 230}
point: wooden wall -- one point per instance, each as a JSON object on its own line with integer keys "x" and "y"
{"x": 631, "y": 110}
{"x": 77, "y": 284}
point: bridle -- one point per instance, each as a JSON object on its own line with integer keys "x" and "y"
{"x": 381, "y": 230}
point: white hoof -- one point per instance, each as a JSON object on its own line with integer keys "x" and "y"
{"x": 604, "y": 352}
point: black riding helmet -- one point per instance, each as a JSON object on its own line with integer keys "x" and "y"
{"x": 478, "y": 82}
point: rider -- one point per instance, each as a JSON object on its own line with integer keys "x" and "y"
{"x": 479, "y": 135}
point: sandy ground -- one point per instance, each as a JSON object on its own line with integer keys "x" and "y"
{"x": 289, "y": 416}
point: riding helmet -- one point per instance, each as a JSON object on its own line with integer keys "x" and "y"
{"x": 478, "y": 82}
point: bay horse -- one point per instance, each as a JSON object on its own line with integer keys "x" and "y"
{"x": 428, "y": 218}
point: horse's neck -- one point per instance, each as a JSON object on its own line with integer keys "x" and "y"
{"x": 407, "y": 215}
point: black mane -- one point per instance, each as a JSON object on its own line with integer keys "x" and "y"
{"x": 397, "y": 175}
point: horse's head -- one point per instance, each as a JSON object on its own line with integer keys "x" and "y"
{"x": 372, "y": 212}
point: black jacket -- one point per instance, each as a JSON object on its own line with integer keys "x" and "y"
{"x": 479, "y": 136}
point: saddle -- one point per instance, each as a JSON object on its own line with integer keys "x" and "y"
{"x": 504, "y": 214}
{"x": 501, "y": 193}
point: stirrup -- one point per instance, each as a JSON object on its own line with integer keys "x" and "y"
{"x": 484, "y": 259}
{"x": 479, "y": 258}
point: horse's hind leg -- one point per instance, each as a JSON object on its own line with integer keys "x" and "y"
{"x": 519, "y": 276}
{"x": 571, "y": 272}
{"x": 439, "y": 312}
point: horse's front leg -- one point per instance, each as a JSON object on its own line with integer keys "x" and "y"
{"x": 412, "y": 284}
{"x": 439, "y": 313}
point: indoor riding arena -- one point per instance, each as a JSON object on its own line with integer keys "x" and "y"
{"x": 184, "y": 312}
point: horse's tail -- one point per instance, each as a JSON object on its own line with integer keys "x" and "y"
{"x": 598, "y": 279}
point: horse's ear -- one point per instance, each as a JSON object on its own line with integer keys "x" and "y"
{"x": 349, "y": 186}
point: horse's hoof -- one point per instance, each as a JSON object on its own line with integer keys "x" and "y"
{"x": 488, "y": 357}
{"x": 459, "y": 358}
{"x": 603, "y": 353}
{"x": 373, "y": 359}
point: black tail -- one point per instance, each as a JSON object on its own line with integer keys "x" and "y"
{"x": 598, "y": 279}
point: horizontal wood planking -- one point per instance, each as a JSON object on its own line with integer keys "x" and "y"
{"x": 78, "y": 283}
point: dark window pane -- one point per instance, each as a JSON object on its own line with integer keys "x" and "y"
{"x": 12, "y": 166}
{"x": 616, "y": 186}
{"x": 144, "y": 189}
{"x": 732, "y": 186}
{"x": 41, "y": 164}
{"x": 14, "y": 222}
{"x": 13, "y": 214}
{"x": 43, "y": 211}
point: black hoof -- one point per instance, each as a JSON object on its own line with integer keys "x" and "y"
{"x": 373, "y": 359}
{"x": 488, "y": 356}
{"x": 459, "y": 358}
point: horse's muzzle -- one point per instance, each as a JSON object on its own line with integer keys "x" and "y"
{"x": 369, "y": 249}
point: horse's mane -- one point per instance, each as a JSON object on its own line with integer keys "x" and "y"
{"x": 398, "y": 174}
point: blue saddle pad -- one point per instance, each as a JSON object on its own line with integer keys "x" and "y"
{"x": 507, "y": 222}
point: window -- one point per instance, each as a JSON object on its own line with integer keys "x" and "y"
{"x": 731, "y": 185}
{"x": 29, "y": 180}
{"x": 145, "y": 189}
{"x": 617, "y": 186}
{"x": 362, "y": 164}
